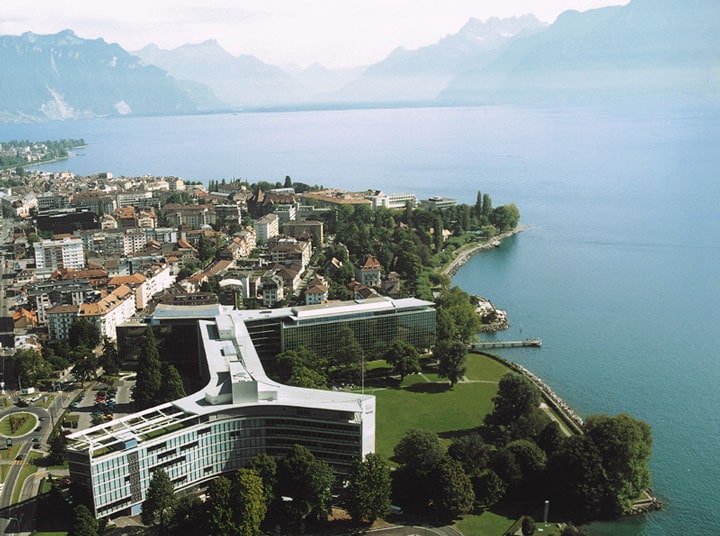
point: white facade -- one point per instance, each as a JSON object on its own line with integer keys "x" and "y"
{"x": 267, "y": 227}
{"x": 239, "y": 414}
{"x": 65, "y": 253}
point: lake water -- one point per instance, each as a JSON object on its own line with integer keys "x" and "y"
{"x": 619, "y": 273}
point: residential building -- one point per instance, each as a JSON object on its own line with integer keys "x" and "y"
{"x": 193, "y": 216}
{"x": 301, "y": 229}
{"x": 272, "y": 288}
{"x": 370, "y": 273}
{"x": 316, "y": 291}
{"x": 290, "y": 250}
{"x": 65, "y": 253}
{"x": 114, "y": 309}
{"x": 266, "y": 228}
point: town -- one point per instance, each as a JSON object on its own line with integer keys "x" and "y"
{"x": 176, "y": 334}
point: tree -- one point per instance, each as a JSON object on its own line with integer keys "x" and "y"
{"x": 517, "y": 396}
{"x": 452, "y": 357}
{"x": 84, "y": 332}
{"x": 453, "y": 493}
{"x": 110, "y": 360}
{"x": 419, "y": 453}
{"x": 532, "y": 462}
{"x": 248, "y": 502}
{"x": 368, "y": 490}
{"x": 472, "y": 452}
{"x": 348, "y": 356}
{"x": 190, "y": 517}
{"x": 160, "y": 502}
{"x": 172, "y": 385}
{"x": 85, "y": 367}
{"x": 306, "y": 377}
{"x": 83, "y": 522}
{"x": 265, "y": 466}
{"x": 419, "y": 449}
{"x": 30, "y": 367}
{"x": 288, "y": 182}
{"x": 58, "y": 447}
{"x": 301, "y": 367}
{"x": 307, "y": 482}
{"x": 577, "y": 478}
{"x": 462, "y": 321}
{"x": 489, "y": 488}
{"x": 404, "y": 358}
{"x": 219, "y": 504}
{"x": 147, "y": 386}
{"x": 624, "y": 444}
{"x": 528, "y": 526}
{"x": 505, "y": 217}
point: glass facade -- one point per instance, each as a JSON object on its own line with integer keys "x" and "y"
{"x": 118, "y": 475}
{"x": 374, "y": 330}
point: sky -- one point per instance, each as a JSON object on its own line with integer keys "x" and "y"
{"x": 334, "y": 33}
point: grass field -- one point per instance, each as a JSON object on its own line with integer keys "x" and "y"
{"x": 425, "y": 401}
{"x": 27, "y": 426}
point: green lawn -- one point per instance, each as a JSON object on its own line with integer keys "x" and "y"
{"x": 27, "y": 471}
{"x": 27, "y": 426}
{"x": 430, "y": 405}
{"x": 488, "y": 524}
{"x": 424, "y": 401}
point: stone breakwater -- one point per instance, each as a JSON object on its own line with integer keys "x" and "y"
{"x": 649, "y": 502}
{"x": 569, "y": 416}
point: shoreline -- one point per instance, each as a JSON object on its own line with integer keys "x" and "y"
{"x": 464, "y": 255}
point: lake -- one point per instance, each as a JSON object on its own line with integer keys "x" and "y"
{"x": 619, "y": 272}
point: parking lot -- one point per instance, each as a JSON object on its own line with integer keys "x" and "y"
{"x": 103, "y": 403}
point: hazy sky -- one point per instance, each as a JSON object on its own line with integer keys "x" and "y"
{"x": 336, "y": 33}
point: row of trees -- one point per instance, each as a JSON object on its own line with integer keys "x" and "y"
{"x": 293, "y": 492}
{"x": 44, "y": 151}
{"x": 156, "y": 382}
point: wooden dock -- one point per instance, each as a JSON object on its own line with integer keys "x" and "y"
{"x": 527, "y": 343}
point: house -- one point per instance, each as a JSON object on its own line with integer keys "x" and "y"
{"x": 271, "y": 288}
{"x": 316, "y": 291}
{"x": 370, "y": 273}
{"x": 24, "y": 319}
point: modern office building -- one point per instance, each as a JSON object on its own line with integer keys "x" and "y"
{"x": 238, "y": 414}
{"x": 376, "y": 323}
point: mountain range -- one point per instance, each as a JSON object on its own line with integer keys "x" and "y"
{"x": 646, "y": 49}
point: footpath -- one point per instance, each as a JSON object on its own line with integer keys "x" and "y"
{"x": 466, "y": 252}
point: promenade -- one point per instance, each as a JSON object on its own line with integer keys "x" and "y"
{"x": 466, "y": 252}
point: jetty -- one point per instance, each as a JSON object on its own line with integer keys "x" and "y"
{"x": 527, "y": 343}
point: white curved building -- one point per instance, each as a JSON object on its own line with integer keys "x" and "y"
{"x": 240, "y": 413}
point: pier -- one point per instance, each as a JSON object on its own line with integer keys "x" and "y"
{"x": 527, "y": 343}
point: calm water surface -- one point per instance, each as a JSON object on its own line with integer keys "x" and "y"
{"x": 619, "y": 273}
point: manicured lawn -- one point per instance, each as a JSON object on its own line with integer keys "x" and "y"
{"x": 424, "y": 401}
{"x": 488, "y": 523}
{"x": 27, "y": 426}
{"x": 27, "y": 471}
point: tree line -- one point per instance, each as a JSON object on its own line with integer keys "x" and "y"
{"x": 293, "y": 492}
{"x": 520, "y": 456}
{"x": 51, "y": 150}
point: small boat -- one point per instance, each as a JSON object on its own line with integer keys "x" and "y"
{"x": 496, "y": 243}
